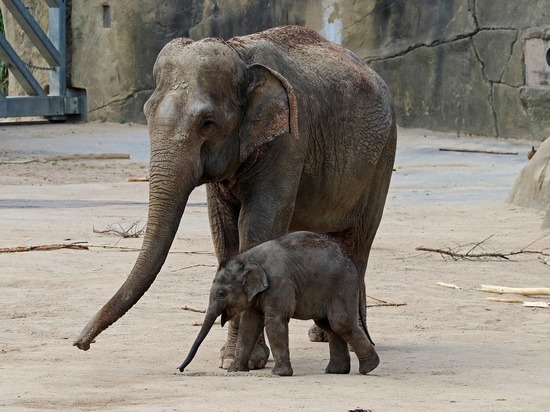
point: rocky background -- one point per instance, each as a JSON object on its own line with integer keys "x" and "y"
{"x": 465, "y": 66}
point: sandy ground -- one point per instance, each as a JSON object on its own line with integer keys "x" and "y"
{"x": 446, "y": 349}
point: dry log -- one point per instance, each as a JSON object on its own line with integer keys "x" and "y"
{"x": 138, "y": 179}
{"x": 517, "y": 291}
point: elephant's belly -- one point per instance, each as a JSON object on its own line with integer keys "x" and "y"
{"x": 323, "y": 216}
{"x": 329, "y": 203}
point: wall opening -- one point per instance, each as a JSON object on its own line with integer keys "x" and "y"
{"x": 106, "y": 11}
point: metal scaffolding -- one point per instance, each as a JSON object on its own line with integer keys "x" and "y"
{"x": 60, "y": 101}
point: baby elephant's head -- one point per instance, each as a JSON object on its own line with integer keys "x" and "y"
{"x": 233, "y": 288}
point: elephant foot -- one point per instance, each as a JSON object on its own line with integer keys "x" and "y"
{"x": 338, "y": 368}
{"x": 316, "y": 334}
{"x": 282, "y": 369}
{"x": 369, "y": 364}
{"x": 257, "y": 360}
{"x": 259, "y": 356}
{"x": 227, "y": 356}
{"x": 238, "y": 367}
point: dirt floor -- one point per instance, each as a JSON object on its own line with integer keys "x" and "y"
{"x": 444, "y": 349}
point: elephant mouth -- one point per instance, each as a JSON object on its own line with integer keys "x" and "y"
{"x": 225, "y": 318}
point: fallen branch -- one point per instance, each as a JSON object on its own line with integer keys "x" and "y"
{"x": 536, "y": 304}
{"x": 526, "y": 304}
{"x": 193, "y": 266}
{"x": 382, "y": 302}
{"x": 496, "y": 152}
{"x": 43, "y": 248}
{"x": 88, "y": 156}
{"x": 516, "y": 291}
{"x": 448, "y": 285}
{"x": 193, "y": 309}
{"x": 139, "y": 179}
{"x": 504, "y": 300}
{"x": 119, "y": 248}
{"x": 130, "y": 232}
{"x": 456, "y": 253}
{"x": 374, "y": 305}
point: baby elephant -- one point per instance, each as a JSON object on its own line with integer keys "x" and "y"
{"x": 301, "y": 275}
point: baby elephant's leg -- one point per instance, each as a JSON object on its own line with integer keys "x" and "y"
{"x": 344, "y": 324}
{"x": 368, "y": 358}
{"x": 251, "y": 326}
{"x": 277, "y": 333}
{"x": 339, "y": 352}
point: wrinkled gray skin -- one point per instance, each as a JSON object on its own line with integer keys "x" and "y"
{"x": 288, "y": 131}
{"x": 301, "y": 275}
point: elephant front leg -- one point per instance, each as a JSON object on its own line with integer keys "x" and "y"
{"x": 260, "y": 353}
{"x": 250, "y": 328}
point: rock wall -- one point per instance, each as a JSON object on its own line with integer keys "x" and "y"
{"x": 465, "y": 66}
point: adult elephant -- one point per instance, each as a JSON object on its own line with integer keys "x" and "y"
{"x": 287, "y": 130}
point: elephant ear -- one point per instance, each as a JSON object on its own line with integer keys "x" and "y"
{"x": 254, "y": 280}
{"x": 271, "y": 109}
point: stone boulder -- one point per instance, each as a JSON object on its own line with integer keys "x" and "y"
{"x": 532, "y": 186}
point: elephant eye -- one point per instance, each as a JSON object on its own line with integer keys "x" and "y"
{"x": 207, "y": 125}
{"x": 222, "y": 294}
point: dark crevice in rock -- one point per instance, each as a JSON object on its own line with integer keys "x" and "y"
{"x": 491, "y": 86}
{"x": 435, "y": 43}
{"x": 509, "y": 58}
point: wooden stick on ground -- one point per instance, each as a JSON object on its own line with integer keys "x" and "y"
{"x": 43, "y": 248}
{"x": 538, "y": 304}
{"x": 448, "y": 285}
{"x": 85, "y": 156}
{"x": 504, "y": 300}
{"x": 517, "y": 291}
{"x": 382, "y": 302}
{"x": 496, "y": 152}
{"x": 193, "y": 309}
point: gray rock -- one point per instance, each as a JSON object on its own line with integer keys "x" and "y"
{"x": 444, "y": 88}
{"x": 532, "y": 186}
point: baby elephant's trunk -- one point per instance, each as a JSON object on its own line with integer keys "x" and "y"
{"x": 209, "y": 320}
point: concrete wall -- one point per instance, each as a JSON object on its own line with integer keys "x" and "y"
{"x": 468, "y": 66}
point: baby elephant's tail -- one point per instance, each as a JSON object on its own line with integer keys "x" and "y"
{"x": 363, "y": 317}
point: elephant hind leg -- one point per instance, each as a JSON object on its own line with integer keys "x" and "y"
{"x": 339, "y": 353}
{"x": 357, "y": 338}
{"x": 343, "y": 322}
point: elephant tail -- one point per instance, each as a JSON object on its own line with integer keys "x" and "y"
{"x": 363, "y": 312}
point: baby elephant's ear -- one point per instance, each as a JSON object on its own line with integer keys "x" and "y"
{"x": 254, "y": 280}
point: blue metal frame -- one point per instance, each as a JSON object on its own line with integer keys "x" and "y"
{"x": 61, "y": 100}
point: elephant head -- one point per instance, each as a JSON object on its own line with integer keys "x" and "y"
{"x": 233, "y": 289}
{"x": 207, "y": 115}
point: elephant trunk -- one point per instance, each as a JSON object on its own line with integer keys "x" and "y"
{"x": 167, "y": 200}
{"x": 209, "y": 320}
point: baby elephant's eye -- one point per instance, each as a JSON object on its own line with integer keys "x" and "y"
{"x": 222, "y": 294}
